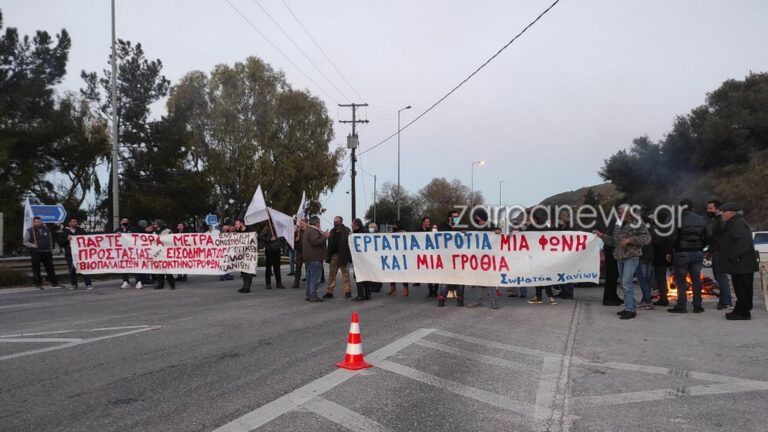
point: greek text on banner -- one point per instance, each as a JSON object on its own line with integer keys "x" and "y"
{"x": 477, "y": 258}
{"x": 204, "y": 253}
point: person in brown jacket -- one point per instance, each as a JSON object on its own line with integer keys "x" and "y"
{"x": 314, "y": 252}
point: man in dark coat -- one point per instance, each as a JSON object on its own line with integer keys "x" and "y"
{"x": 715, "y": 225}
{"x": 39, "y": 240}
{"x": 610, "y": 294}
{"x": 273, "y": 249}
{"x": 738, "y": 259}
{"x": 690, "y": 238}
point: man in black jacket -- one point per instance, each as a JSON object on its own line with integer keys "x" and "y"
{"x": 739, "y": 259}
{"x": 426, "y": 226}
{"x": 715, "y": 225}
{"x": 38, "y": 239}
{"x": 73, "y": 229}
{"x": 273, "y": 254}
{"x": 690, "y": 238}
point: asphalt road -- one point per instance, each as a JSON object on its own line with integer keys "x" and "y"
{"x": 205, "y": 357}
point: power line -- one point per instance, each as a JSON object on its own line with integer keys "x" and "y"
{"x": 322, "y": 51}
{"x": 300, "y": 50}
{"x": 280, "y": 51}
{"x": 465, "y": 79}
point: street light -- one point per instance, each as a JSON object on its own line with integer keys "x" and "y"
{"x": 398, "y": 159}
{"x": 472, "y": 193}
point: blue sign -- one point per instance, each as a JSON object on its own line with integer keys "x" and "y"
{"x": 50, "y": 213}
{"x": 211, "y": 219}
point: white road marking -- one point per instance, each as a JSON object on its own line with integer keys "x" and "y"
{"x": 497, "y": 345}
{"x": 545, "y": 395}
{"x": 477, "y": 357}
{"x": 654, "y": 395}
{"x": 39, "y": 340}
{"x": 302, "y": 395}
{"x": 506, "y": 403}
{"x": 71, "y": 344}
{"x": 343, "y": 416}
{"x": 37, "y": 334}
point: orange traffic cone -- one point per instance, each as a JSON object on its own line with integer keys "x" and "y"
{"x": 353, "y": 359}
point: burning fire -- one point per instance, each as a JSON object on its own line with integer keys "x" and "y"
{"x": 709, "y": 288}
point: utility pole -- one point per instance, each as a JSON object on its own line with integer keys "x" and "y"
{"x": 374, "y": 203}
{"x": 115, "y": 160}
{"x": 352, "y": 144}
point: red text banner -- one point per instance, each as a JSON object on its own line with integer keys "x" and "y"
{"x": 194, "y": 253}
{"x": 518, "y": 259}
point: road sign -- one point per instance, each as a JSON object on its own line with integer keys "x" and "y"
{"x": 211, "y": 219}
{"x": 50, "y": 213}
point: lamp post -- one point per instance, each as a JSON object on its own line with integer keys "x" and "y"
{"x": 472, "y": 190}
{"x": 398, "y": 159}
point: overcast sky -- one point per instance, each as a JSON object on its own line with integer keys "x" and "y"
{"x": 579, "y": 85}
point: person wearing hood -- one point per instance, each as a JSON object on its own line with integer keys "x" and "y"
{"x": 738, "y": 258}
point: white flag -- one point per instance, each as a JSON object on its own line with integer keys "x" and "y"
{"x": 257, "y": 209}
{"x": 301, "y": 213}
{"x": 28, "y": 215}
{"x": 283, "y": 225}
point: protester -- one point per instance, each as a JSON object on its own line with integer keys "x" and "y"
{"x": 297, "y": 248}
{"x": 738, "y": 258}
{"x": 73, "y": 229}
{"x": 374, "y": 286}
{"x": 451, "y": 224}
{"x": 240, "y": 227}
{"x": 644, "y": 273}
{"x": 181, "y": 228}
{"x": 540, "y": 223}
{"x": 610, "y": 289}
{"x": 228, "y": 276}
{"x": 481, "y": 223}
{"x": 714, "y": 233}
{"x": 159, "y": 228}
{"x": 628, "y": 237}
{"x": 126, "y": 228}
{"x": 690, "y": 238}
{"x": 662, "y": 250}
{"x": 426, "y": 226}
{"x": 273, "y": 253}
{"x": 563, "y": 224}
{"x": 39, "y": 240}
{"x": 314, "y": 251}
{"x": 363, "y": 287}
{"x": 397, "y": 227}
{"x": 339, "y": 257}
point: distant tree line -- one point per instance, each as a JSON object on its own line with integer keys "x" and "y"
{"x": 222, "y": 134}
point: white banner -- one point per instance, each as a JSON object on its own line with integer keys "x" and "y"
{"x": 204, "y": 253}
{"x": 520, "y": 259}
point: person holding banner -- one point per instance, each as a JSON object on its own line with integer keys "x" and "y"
{"x": 247, "y": 277}
{"x": 397, "y": 227}
{"x": 161, "y": 229}
{"x": 426, "y": 226}
{"x": 126, "y": 228}
{"x": 39, "y": 241}
{"x": 363, "y": 287}
{"x": 73, "y": 229}
{"x": 298, "y": 248}
{"x": 451, "y": 225}
{"x": 481, "y": 223}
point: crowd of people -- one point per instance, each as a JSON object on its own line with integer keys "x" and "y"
{"x": 633, "y": 248}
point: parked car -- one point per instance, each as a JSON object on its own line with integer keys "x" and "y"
{"x": 760, "y": 239}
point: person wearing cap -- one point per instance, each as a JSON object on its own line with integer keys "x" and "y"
{"x": 739, "y": 259}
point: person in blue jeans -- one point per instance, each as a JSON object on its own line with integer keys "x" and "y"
{"x": 314, "y": 252}
{"x": 689, "y": 241}
{"x": 645, "y": 276}
{"x": 628, "y": 238}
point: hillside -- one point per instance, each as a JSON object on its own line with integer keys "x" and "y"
{"x": 605, "y": 192}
